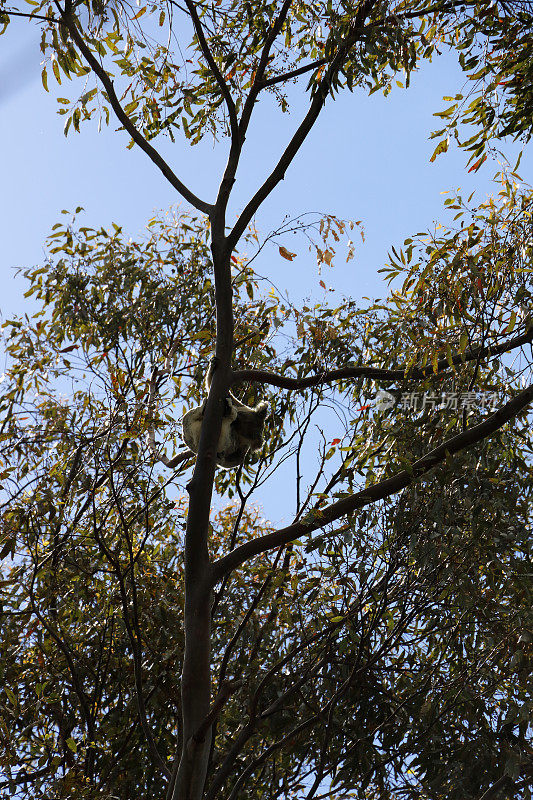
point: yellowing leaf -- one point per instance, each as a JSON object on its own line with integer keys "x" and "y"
{"x": 449, "y": 355}
{"x": 442, "y": 147}
{"x": 286, "y": 254}
{"x": 477, "y": 164}
{"x": 55, "y": 69}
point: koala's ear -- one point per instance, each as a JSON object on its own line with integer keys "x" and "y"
{"x": 261, "y": 411}
{"x": 228, "y": 407}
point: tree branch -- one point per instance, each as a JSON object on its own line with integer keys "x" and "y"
{"x": 258, "y": 83}
{"x": 317, "y": 103}
{"x": 69, "y": 22}
{"x": 371, "y": 494}
{"x": 438, "y": 8}
{"x": 503, "y": 783}
{"x": 5, "y": 12}
{"x": 134, "y": 631}
{"x": 68, "y": 654}
{"x": 214, "y": 68}
{"x": 263, "y": 376}
{"x": 23, "y": 776}
{"x": 238, "y": 134}
{"x": 228, "y": 688}
{"x": 294, "y": 73}
{"x": 158, "y": 454}
{"x": 321, "y": 61}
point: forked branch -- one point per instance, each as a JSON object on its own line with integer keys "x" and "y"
{"x": 299, "y": 137}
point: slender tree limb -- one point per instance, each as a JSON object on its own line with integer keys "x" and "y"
{"x": 377, "y": 373}
{"x": 309, "y": 674}
{"x": 506, "y": 784}
{"x": 171, "y": 463}
{"x": 158, "y": 454}
{"x": 278, "y": 173}
{"x": 258, "y": 83}
{"x": 238, "y": 133}
{"x": 379, "y": 491}
{"x": 317, "y": 103}
{"x": 228, "y": 688}
{"x": 134, "y": 635}
{"x": 436, "y": 9}
{"x": 6, "y": 13}
{"x": 294, "y": 73}
{"x": 228, "y": 765}
{"x": 502, "y": 784}
{"x": 23, "y": 776}
{"x": 68, "y": 654}
{"x": 223, "y": 86}
{"x": 277, "y": 745}
{"x": 69, "y": 21}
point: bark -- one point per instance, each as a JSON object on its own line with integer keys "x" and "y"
{"x": 196, "y": 674}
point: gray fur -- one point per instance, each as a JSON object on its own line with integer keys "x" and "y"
{"x": 242, "y": 430}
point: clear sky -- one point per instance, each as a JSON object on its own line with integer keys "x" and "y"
{"x": 366, "y": 159}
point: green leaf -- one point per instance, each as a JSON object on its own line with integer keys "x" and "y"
{"x": 512, "y": 323}
{"x": 10, "y": 695}
{"x": 442, "y": 147}
{"x": 55, "y": 69}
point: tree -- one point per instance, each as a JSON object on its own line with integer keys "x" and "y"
{"x": 379, "y": 645}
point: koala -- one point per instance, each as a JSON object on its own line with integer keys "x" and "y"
{"x": 242, "y": 428}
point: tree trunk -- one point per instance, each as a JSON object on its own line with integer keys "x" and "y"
{"x": 196, "y": 674}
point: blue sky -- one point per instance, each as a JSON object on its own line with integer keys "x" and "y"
{"x": 366, "y": 159}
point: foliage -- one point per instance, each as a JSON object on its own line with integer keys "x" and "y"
{"x": 398, "y": 624}
{"x": 379, "y": 644}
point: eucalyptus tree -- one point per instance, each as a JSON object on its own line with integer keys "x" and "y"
{"x": 395, "y": 517}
